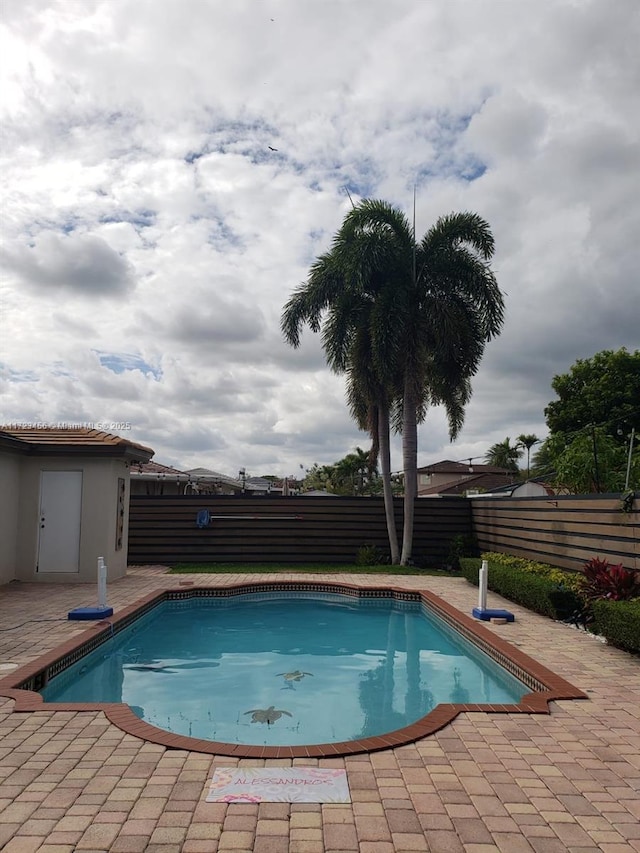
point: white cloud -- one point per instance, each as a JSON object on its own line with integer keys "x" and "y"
{"x": 151, "y": 237}
{"x": 83, "y": 264}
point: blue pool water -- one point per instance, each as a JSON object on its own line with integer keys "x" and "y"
{"x": 285, "y": 669}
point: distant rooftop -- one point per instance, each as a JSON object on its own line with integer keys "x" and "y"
{"x": 214, "y": 476}
{"x": 155, "y": 469}
{"x": 449, "y": 467}
{"x": 482, "y": 480}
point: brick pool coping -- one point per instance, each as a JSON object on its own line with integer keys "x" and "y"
{"x": 22, "y": 684}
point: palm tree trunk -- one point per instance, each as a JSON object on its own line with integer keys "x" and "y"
{"x": 385, "y": 469}
{"x": 410, "y": 465}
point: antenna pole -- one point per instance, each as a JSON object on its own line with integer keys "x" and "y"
{"x": 414, "y": 234}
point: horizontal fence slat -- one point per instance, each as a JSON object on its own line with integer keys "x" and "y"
{"x": 162, "y": 529}
{"x": 564, "y": 531}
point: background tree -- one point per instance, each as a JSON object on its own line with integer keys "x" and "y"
{"x": 590, "y": 424}
{"x": 602, "y": 391}
{"x": 503, "y": 454}
{"x": 353, "y": 474}
{"x": 595, "y": 462}
{"x": 319, "y": 477}
{"x": 543, "y": 460}
{"x": 528, "y": 441}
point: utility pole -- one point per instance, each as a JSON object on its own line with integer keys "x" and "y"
{"x": 595, "y": 458}
{"x": 626, "y": 481}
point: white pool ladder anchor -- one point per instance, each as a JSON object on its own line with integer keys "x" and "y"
{"x": 481, "y": 611}
{"x": 102, "y": 609}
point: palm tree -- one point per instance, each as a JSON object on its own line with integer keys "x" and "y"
{"x": 340, "y": 300}
{"x": 528, "y": 441}
{"x": 408, "y": 321}
{"x": 354, "y": 472}
{"x": 503, "y": 454}
{"x": 455, "y": 307}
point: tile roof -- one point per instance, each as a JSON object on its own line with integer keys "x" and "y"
{"x": 449, "y": 467}
{"x": 76, "y": 440}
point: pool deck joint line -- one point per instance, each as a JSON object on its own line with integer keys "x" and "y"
{"x": 22, "y": 684}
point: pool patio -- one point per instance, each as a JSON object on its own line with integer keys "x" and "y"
{"x": 568, "y": 781}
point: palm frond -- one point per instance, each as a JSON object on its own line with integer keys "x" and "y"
{"x": 455, "y": 228}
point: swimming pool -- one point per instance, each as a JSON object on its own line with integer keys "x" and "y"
{"x": 271, "y": 681}
{"x": 283, "y": 668}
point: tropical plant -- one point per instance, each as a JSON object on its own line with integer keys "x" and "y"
{"x": 600, "y": 579}
{"x": 370, "y": 555}
{"x": 353, "y": 474}
{"x": 460, "y": 546}
{"x": 503, "y": 454}
{"x": 319, "y": 477}
{"x": 527, "y": 442}
{"x": 407, "y": 321}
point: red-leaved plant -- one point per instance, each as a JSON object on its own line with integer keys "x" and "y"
{"x": 602, "y": 580}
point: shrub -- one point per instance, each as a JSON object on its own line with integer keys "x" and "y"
{"x": 470, "y": 568}
{"x": 567, "y": 579}
{"x": 602, "y": 580}
{"x": 545, "y": 595}
{"x": 553, "y": 592}
{"x": 460, "y": 546}
{"x": 371, "y": 555}
{"x": 619, "y": 622}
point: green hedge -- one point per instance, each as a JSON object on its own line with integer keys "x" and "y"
{"x": 555, "y": 593}
{"x": 535, "y": 591}
{"x": 619, "y": 622}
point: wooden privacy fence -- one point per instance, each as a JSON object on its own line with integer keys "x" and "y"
{"x": 243, "y": 529}
{"x": 562, "y": 530}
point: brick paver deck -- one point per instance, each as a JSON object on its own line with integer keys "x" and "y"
{"x": 568, "y": 782}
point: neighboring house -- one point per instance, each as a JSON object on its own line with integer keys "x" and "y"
{"x": 257, "y": 486}
{"x": 204, "y": 481}
{"x": 64, "y": 502}
{"x": 456, "y": 478}
{"x": 263, "y": 486}
{"x": 287, "y": 487}
{"x": 152, "y": 478}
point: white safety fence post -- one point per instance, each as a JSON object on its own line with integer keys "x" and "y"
{"x": 102, "y": 583}
{"x": 482, "y": 591}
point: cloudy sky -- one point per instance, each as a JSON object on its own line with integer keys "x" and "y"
{"x": 151, "y": 236}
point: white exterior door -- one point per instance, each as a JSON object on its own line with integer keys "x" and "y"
{"x": 59, "y": 521}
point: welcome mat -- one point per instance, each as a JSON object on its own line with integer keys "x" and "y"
{"x": 279, "y": 785}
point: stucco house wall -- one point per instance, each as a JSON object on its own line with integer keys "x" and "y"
{"x": 9, "y": 497}
{"x": 98, "y": 519}
{"x": 104, "y": 464}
